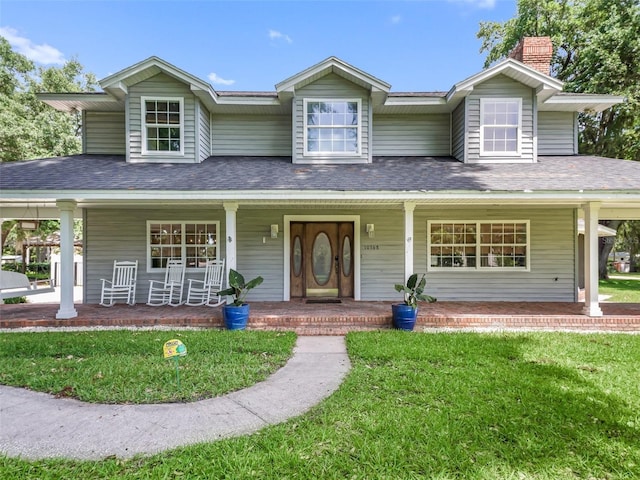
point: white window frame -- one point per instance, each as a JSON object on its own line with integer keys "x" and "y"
{"x": 306, "y": 151}
{"x": 510, "y": 153}
{"x": 478, "y": 244}
{"x": 144, "y": 125}
{"x": 183, "y": 244}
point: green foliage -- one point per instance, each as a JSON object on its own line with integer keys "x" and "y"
{"x": 470, "y": 406}
{"x": 122, "y": 366}
{"x": 625, "y": 288}
{"x": 29, "y": 128}
{"x": 596, "y": 50}
{"x": 15, "y": 300}
{"x": 238, "y": 288}
{"x": 414, "y": 291}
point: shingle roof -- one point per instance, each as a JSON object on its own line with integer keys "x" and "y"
{"x": 385, "y": 174}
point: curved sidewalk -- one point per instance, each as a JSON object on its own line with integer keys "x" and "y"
{"x": 37, "y": 425}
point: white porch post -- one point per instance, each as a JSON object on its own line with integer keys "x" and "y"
{"x": 230, "y": 209}
{"x": 67, "y": 310}
{"x": 591, "y": 306}
{"x": 409, "y": 207}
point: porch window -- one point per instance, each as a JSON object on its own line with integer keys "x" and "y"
{"x": 500, "y": 120}
{"x": 194, "y": 242}
{"x": 162, "y": 130}
{"x": 478, "y": 245}
{"x": 332, "y": 127}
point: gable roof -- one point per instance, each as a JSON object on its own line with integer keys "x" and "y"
{"x": 115, "y": 86}
{"x": 118, "y": 83}
{"x": 337, "y": 66}
{"x": 544, "y": 85}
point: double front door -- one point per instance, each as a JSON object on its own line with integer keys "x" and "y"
{"x": 322, "y": 259}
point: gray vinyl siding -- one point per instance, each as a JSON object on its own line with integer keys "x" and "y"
{"x": 104, "y": 133}
{"x": 160, "y": 86}
{"x": 556, "y": 133}
{"x": 500, "y": 87}
{"x": 379, "y": 257}
{"x": 382, "y": 257}
{"x": 204, "y": 134}
{"x": 121, "y": 234}
{"x": 552, "y": 256}
{"x": 330, "y": 87}
{"x": 411, "y": 135}
{"x": 458, "y": 131}
{"x": 252, "y": 135}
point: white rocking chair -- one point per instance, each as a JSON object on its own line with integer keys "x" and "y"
{"x": 203, "y": 292}
{"x": 168, "y": 292}
{"x": 122, "y": 285}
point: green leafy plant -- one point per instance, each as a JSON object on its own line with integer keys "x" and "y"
{"x": 238, "y": 288}
{"x": 414, "y": 291}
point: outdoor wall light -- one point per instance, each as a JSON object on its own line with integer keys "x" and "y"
{"x": 274, "y": 230}
{"x": 370, "y": 229}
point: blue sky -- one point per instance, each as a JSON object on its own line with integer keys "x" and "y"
{"x": 415, "y": 45}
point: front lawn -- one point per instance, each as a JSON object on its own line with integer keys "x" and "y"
{"x": 434, "y": 406}
{"x": 127, "y": 366}
{"x": 622, "y": 288}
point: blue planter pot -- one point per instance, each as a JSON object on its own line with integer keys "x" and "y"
{"x": 235, "y": 318}
{"x": 404, "y": 316}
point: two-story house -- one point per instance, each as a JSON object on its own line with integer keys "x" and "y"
{"x": 333, "y": 185}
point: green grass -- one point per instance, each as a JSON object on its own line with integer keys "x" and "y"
{"x": 124, "y": 366}
{"x": 624, "y": 288}
{"x": 434, "y": 406}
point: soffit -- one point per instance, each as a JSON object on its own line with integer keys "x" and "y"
{"x": 69, "y": 102}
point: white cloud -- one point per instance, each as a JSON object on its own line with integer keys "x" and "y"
{"x": 396, "y": 19}
{"x": 44, "y": 54}
{"x": 275, "y": 35}
{"x": 486, "y": 4}
{"x": 216, "y": 80}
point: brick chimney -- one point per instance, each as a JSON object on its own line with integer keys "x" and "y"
{"x": 535, "y": 52}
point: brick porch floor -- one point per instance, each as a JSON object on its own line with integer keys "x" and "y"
{"x": 336, "y": 319}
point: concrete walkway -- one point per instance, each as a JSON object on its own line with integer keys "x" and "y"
{"x": 37, "y": 425}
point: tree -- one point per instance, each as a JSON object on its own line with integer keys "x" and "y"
{"x": 628, "y": 240}
{"x": 28, "y": 127}
{"x": 596, "y": 50}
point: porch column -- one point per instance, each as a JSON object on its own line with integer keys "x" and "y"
{"x": 67, "y": 309}
{"x": 230, "y": 209}
{"x": 591, "y": 306}
{"x": 409, "y": 207}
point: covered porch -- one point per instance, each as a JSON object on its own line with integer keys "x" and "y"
{"x": 337, "y": 318}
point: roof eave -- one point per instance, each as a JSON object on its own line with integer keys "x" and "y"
{"x": 580, "y": 102}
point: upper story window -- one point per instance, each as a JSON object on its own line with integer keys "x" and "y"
{"x": 332, "y": 127}
{"x": 500, "y": 124}
{"x": 163, "y": 129}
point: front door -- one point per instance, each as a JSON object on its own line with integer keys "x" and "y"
{"x": 321, "y": 259}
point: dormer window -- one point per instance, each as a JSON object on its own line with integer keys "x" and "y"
{"x": 163, "y": 126}
{"x": 500, "y": 125}
{"x": 332, "y": 127}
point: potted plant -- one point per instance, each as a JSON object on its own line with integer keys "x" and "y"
{"x": 405, "y": 314}
{"x": 236, "y": 313}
